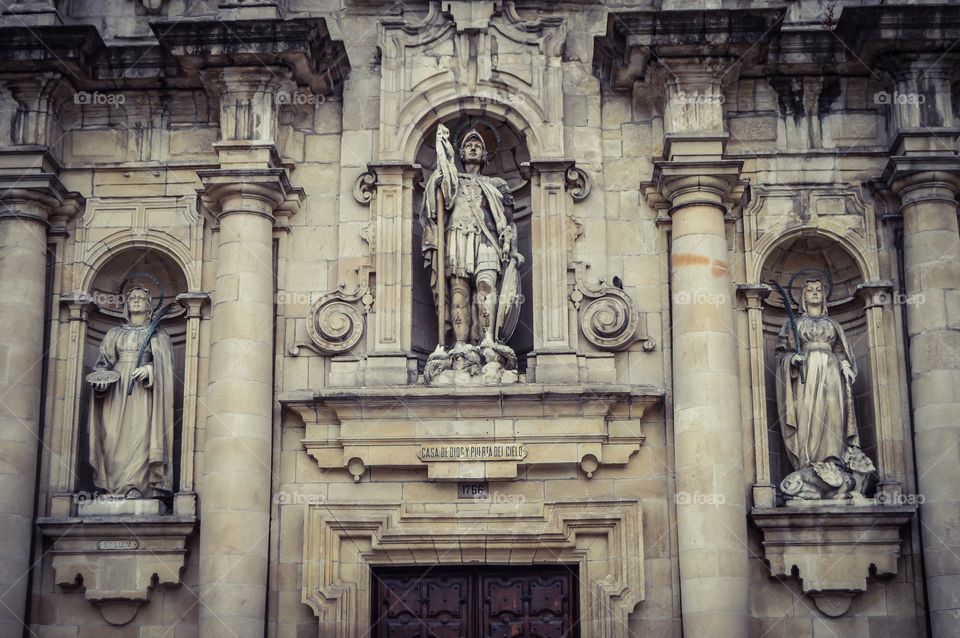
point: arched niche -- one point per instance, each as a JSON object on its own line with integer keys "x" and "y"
{"x": 808, "y": 252}
{"x": 160, "y": 273}
{"x": 506, "y": 161}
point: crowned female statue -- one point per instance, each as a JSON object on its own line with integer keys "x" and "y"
{"x": 816, "y": 369}
{"x": 131, "y": 413}
{"x": 470, "y": 249}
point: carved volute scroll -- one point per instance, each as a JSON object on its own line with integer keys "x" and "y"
{"x": 608, "y": 316}
{"x": 336, "y": 321}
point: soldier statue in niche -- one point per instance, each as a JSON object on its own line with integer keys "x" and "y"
{"x": 470, "y": 249}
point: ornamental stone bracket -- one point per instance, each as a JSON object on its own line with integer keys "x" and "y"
{"x": 603, "y": 538}
{"x": 832, "y": 549}
{"x": 116, "y": 559}
{"x": 483, "y": 433}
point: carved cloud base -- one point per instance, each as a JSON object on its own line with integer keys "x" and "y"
{"x": 603, "y": 538}
{"x": 832, "y": 548}
{"x": 116, "y": 558}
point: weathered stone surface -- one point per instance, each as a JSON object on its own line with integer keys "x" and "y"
{"x": 666, "y": 164}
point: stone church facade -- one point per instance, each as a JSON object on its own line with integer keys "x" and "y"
{"x": 635, "y": 448}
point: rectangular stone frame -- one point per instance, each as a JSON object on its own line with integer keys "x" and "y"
{"x": 604, "y": 538}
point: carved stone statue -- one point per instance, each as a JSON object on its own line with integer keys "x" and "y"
{"x": 131, "y": 412}
{"x": 816, "y": 369}
{"x": 468, "y": 219}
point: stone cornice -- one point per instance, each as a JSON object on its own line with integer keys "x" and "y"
{"x": 305, "y": 46}
{"x": 771, "y": 41}
{"x": 621, "y": 55}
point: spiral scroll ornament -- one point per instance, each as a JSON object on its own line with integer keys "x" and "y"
{"x": 336, "y": 321}
{"x": 610, "y": 321}
{"x": 335, "y": 325}
{"x": 609, "y": 317}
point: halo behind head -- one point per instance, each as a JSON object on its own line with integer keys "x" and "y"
{"x": 147, "y": 282}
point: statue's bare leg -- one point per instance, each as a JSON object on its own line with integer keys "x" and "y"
{"x": 460, "y": 308}
{"x": 487, "y": 303}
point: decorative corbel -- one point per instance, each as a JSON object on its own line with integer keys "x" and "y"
{"x": 365, "y": 186}
{"x": 577, "y": 183}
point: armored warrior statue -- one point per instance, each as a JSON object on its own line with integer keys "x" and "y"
{"x": 470, "y": 249}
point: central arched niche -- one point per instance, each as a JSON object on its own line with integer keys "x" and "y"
{"x": 155, "y": 270}
{"x": 511, "y": 152}
{"x": 811, "y": 251}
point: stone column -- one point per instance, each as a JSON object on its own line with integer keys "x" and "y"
{"x": 710, "y": 484}
{"x": 23, "y": 248}
{"x": 932, "y": 279}
{"x": 924, "y": 172}
{"x": 235, "y": 488}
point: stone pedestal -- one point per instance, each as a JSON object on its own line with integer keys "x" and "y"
{"x": 235, "y": 488}
{"x": 711, "y": 523}
{"x": 928, "y": 188}
{"x": 832, "y": 549}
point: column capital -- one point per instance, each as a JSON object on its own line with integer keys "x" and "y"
{"x": 875, "y": 293}
{"x": 678, "y": 184}
{"x": 905, "y": 174}
{"x": 256, "y": 191}
{"x": 193, "y": 302}
{"x": 39, "y": 197}
{"x": 754, "y": 294}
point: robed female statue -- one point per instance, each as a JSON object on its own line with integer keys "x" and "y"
{"x": 131, "y": 414}
{"x": 816, "y": 369}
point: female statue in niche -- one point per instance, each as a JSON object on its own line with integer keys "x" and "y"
{"x": 131, "y": 414}
{"x": 470, "y": 249}
{"x": 816, "y": 369}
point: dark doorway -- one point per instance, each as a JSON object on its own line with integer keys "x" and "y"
{"x": 475, "y": 602}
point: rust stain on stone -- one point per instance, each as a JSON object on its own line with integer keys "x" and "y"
{"x": 720, "y": 268}
{"x": 689, "y": 259}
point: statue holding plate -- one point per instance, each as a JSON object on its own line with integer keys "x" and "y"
{"x": 131, "y": 413}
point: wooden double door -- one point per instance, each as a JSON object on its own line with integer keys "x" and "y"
{"x": 475, "y": 602}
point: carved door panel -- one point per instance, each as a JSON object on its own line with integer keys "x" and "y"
{"x": 418, "y": 605}
{"x": 475, "y": 602}
{"x": 538, "y": 605}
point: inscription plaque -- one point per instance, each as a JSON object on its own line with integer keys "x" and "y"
{"x": 473, "y": 452}
{"x": 118, "y": 545}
